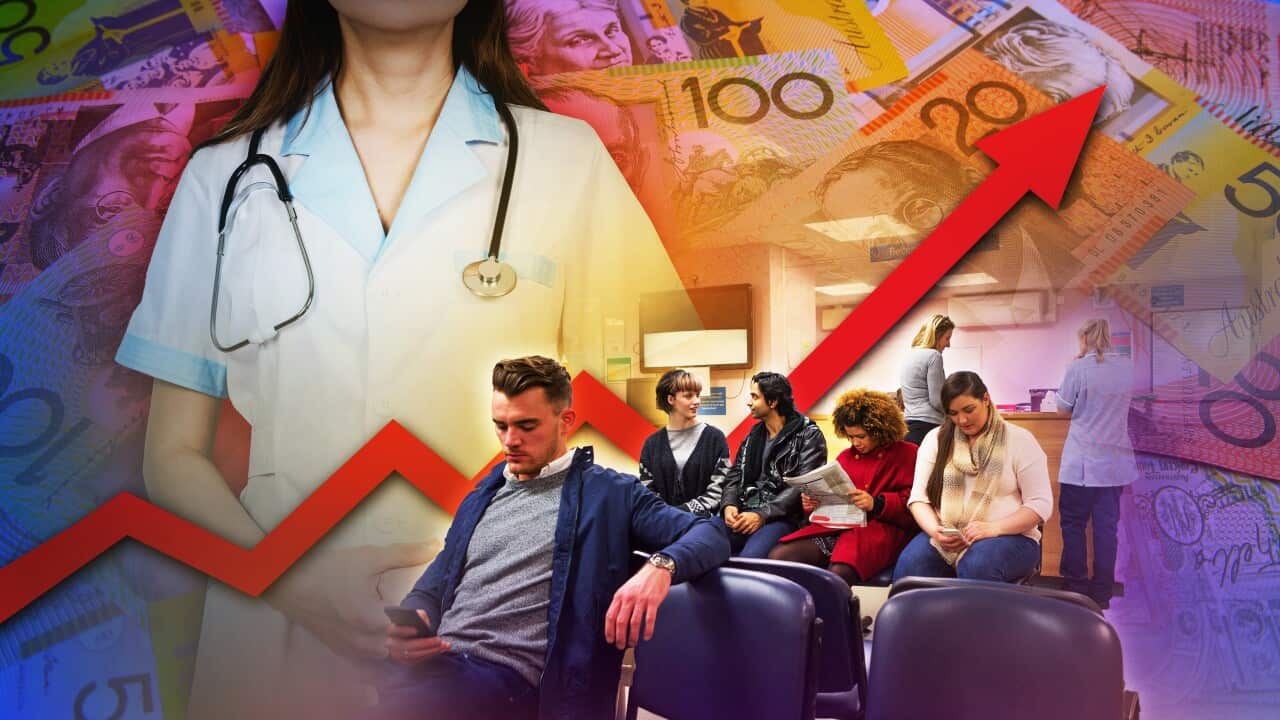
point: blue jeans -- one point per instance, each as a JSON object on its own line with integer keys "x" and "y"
{"x": 456, "y": 686}
{"x": 1007, "y": 558}
{"x": 759, "y": 543}
{"x": 1077, "y": 504}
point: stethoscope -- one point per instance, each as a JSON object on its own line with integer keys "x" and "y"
{"x": 487, "y": 278}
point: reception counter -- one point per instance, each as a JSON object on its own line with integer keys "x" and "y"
{"x": 1051, "y": 430}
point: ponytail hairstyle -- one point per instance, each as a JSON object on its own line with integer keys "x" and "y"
{"x": 932, "y": 331}
{"x": 956, "y": 385}
{"x": 310, "y": 51}
{"x": 1095, "y": 337}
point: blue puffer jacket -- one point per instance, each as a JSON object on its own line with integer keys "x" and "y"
{"x": 604, "y": 515}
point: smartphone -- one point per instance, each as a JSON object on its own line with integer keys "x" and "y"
{"x": 408, "y": 617}
{"x": 950, "y": 531}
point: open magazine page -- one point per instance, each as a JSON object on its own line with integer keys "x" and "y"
{"x": 830, "y": 486}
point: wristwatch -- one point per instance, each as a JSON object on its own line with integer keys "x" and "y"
{"x": 665, "y": 562}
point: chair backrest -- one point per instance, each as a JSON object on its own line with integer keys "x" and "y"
{"x": 843, "y": 665}
{"x": 733, "y": 644}
{"x": 924, "y": 583}
{"x": 984, "y": 652}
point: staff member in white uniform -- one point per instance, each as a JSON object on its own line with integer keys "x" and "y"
{"x": 382, "y": 119}
{"x": 1097, "y": 459}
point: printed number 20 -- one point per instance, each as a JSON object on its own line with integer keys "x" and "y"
{"x": 971, "y": 106}
{"x": 15, "y": 30}
{"x": 712, "y": 99}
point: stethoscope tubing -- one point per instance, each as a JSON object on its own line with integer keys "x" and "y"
{"x": 254, "y": 158}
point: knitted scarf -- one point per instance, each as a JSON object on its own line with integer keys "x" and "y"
{"x": 982, "y": 457}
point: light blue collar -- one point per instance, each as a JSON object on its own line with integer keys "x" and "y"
{"x": 331, "y": 183}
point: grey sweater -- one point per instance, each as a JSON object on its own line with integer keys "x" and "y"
{"x": 921, "y": 381}
{"x": 499, "y": 612}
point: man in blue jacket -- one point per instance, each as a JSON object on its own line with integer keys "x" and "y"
{"x": 529, "y": 601}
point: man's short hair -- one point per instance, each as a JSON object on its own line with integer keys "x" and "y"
{"x": 775, "y": 388}
{"x": 515, "y": 376}
{"x": 672, "y": 383}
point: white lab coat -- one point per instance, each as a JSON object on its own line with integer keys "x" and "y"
{"x": 392, "y": 334}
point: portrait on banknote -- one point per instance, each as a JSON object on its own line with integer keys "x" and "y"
{"x": 116, "y": 158}
{"x": 665, "y": 47}
{"x": 1064, "y": 63}
{"x": 555, "y": 36}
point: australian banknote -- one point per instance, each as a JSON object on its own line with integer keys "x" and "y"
{"x": 551, "y": 36}
{"x": 54, "y": 46}
{"x": 859, "y": 210}
{"x": 1200, "y": 563}
{"x": 699, "y": 142}
{"x": 1221, "y": 250}
{"x": 1190, "y": 414}
{"x": 73, "y": 163}
{"x": 86, "y": 212}
{"x": 1223, "y": 49}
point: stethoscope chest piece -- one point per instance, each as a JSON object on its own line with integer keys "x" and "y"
{"x": 489, "y": 278}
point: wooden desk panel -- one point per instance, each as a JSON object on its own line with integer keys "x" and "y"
{"x": 1050, "y": 430}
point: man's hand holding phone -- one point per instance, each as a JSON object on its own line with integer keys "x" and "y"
{"x": 410, "y": 638}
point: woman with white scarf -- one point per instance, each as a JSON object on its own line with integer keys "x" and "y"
{"x": 981, "y": 491}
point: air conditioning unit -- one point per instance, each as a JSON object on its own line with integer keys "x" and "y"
{"x": 1023, "y": 307}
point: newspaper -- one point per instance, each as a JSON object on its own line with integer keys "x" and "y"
{"x": 830, "y": 486}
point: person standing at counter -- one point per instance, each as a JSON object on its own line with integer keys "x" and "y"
{"x": 679, "y": 461}
{"x": 981, "y": 491}
{"x": 922, "y": 377}
{"x": 1097, "y": 460}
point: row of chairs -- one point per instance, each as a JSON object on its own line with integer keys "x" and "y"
{"x": 779, "y": 640}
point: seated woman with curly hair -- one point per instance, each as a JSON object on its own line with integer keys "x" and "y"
{"x": 880, "y": 464}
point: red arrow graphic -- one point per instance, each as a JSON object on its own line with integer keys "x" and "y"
{"x": 1037, "y": 155}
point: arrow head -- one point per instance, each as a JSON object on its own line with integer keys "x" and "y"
{"x": 1042, "y": 151}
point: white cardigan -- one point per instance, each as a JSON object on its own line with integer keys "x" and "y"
{"x": 1024, "y": 482}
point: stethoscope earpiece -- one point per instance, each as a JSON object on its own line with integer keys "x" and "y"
{"x": 489, "y": 278}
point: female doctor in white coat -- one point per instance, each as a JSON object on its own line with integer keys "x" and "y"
{"x": 382, "y": 119}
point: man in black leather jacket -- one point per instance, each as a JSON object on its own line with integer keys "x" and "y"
{"x": 759, "y": 507}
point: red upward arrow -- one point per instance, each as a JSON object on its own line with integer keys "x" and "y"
{"x": 1038, "y": 155}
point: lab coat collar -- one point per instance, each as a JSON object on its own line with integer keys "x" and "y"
{"x": 468, "y": 109}
{"x": 324, "y": 182}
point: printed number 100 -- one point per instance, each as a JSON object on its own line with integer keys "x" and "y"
{"x": 763, "y": 97}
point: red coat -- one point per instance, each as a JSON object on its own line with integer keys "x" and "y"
{"x": 887, "y": 471}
